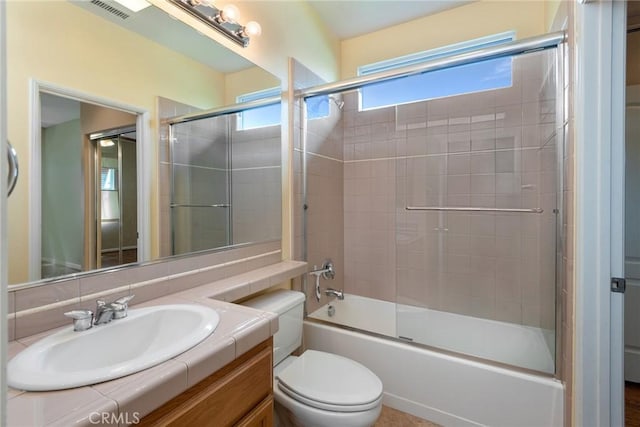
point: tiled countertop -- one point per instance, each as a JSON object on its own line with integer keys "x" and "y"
{"x": 132, "y": 397}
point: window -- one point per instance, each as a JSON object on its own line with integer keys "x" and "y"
{"x": 485, "y": 75}
{"x": 108, "y": 179}
{"x": 317, "y": 106}
{"x": 259, "y": 117}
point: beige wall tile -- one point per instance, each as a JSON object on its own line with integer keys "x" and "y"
{"x": 42, "y": 320}
{"x": 44, "y": 295}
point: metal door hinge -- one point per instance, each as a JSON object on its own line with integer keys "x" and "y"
{"x": 618, "y": 284}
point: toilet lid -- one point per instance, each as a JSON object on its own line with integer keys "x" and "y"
{"x": 331, "y": 382}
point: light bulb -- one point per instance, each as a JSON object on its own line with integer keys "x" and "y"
{"x": 229, "y": 13}
{"x": 252, "y": 29}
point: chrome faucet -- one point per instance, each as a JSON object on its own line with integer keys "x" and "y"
{"x": 106, "y": 312}
{"x": 335, "y": 293}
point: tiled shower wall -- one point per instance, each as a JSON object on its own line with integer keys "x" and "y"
{"x": 256, "y": 177}
{"x": 325, "y": 200}
{"x": 488, "y": 149}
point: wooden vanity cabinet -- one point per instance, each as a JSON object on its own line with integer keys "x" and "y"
{"x": 239, "y": 394}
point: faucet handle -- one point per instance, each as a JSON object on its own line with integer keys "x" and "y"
{"x": 82, "y": 319}
{"x": 124, "y": 300}
{"x": 120, "y": 306}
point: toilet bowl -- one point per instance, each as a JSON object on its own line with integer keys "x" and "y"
{"x": 316, "y": 389}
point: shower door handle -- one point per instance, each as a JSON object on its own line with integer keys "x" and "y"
{"x": 12, "y": 179}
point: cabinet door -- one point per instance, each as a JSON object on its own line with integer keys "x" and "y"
{"x": 261, "y": 416}
{"x": 223, "y": 399}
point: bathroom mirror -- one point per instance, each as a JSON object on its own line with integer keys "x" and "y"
{"x": 65, "y": 57}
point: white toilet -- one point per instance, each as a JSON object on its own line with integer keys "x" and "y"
{"x": 316, "y": 389}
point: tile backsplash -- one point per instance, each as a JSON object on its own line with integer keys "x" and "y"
{"x": 39, "y": 308}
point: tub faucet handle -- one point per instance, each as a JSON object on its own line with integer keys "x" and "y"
{"x": 327, "y": 271}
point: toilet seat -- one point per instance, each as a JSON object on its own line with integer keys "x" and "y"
{"x": 330, "y": 382}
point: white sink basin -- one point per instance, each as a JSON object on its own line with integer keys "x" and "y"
{"x": 146, "y": 337}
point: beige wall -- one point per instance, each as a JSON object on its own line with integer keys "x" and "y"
{"x": 59, "y": 43}
{"x": 551, "y": 8}
{"x": 96, "y": 118}
{"x": 247, "y": 81}
{"x": 464, "y": 23}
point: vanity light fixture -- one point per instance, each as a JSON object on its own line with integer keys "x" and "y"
{"x": 223, "y": 20}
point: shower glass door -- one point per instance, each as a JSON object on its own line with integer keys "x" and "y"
{"x": 200, "y": 154}
{"x": 478, "y": 195}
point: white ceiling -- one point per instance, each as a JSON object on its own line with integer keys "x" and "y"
{"x": 356, "y": 17}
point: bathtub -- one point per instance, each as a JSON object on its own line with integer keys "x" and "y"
{"x": 438, "y": 386}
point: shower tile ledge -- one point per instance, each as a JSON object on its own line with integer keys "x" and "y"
{"x": 242, "y": 285}
{"x": 240, "y": 329}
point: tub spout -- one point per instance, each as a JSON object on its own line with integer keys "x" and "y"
{"x": 335, "y": 292}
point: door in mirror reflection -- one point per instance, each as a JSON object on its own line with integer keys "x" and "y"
{"x": 88, "y": 187}
{"x": 116, "y": 240}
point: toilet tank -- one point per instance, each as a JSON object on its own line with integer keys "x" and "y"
{"x": 288, "y": 305}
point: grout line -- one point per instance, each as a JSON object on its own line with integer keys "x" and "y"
{"x": 105, "y": 292}
{"x": 419, "y": 156}
{"x": 199, "y": 167}
{"x": 255, "y": 168}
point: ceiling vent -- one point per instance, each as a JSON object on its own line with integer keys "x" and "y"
{"x": 112, "y": 10}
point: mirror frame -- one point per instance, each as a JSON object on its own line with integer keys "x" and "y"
{"x": 143, "y": 159}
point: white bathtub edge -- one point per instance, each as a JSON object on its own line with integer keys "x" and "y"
{"x": 425, "y": 412}
{"x": 425, "y": 379}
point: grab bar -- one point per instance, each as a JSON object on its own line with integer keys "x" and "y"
{"x": 471, "y": 209}
{"x": 181, "y": 205}
{"x": 13, "y": 168}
